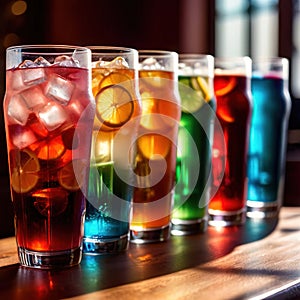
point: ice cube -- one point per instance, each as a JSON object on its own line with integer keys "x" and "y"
{"x": 52, "y": 116}
{"x": 17, "y": 110}
{"x": 42, "y": 62}
{"x": 150, "y": 63}
{"x": 34, "y": 98}
{"x": 27, "y": 64}
{"x": 22, "y": 137}
{"x": 33, "y": 75}
{"x": 60, "y": 89}
{"x": 66, "y": 61}
{"x": 117, "y": 63}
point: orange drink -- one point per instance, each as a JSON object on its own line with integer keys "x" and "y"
{"x": 155, "y": 162}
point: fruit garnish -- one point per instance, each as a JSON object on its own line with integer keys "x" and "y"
{"x": 152, "y": 145}
{"x": 50, "y": 201}
{"x": 114, "y": 106}
{"x": 71, "y": 176}
{"x": 51, "y": 148}
{"x": 25, "y": 169}
{"x": 113, "y": 78}
{"x": 225, "y": 85}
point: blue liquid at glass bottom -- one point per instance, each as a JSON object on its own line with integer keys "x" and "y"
{"x": 108, "y": 207}
{"x": 268, "y": 138}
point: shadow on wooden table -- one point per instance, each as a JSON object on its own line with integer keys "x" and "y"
{"x": 140, "y": 262}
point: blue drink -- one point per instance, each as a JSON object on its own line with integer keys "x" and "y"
{"x": 268, "y": 139}
{"x": 111, "y": 177}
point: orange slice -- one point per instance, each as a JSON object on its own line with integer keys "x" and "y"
{"x": 154, "y": 78}
{"x": 67, "y": 177}
{"x": 49, "y": 149}
{"x": 152, "y": 145}
{"x": 113, "y": 78}
{"x": 25, "y": 167}
{"x": 224, "y": 85}
{"x": 114, "y": 106}
{"x": 50, "y": 201}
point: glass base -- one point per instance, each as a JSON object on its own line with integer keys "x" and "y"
{"x": 96, "y": 246}
{"x": 150, "y": 235}
{"x": 188, "y": 227}
{"x": 49, "y": 260}
{"x": 261, "y": 210}
{"x": 226, "y": 218}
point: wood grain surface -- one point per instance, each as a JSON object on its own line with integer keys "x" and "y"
{"x": 260, "y": 260}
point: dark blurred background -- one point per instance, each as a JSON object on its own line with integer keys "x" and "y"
{"x": 217, "y": 27}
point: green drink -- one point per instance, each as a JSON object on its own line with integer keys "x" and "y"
{"x": 192, "y": 192}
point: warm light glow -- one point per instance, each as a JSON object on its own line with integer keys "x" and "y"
{"x": 10, "y": 39}
{"x": 18, "y": 8}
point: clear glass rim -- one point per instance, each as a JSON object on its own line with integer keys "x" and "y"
{"x": 111, "y": 50}
{"x": 195, "y": 56}
{"x": 45, "y": 49}
{"x": 157, "y": 53}
{"x": 270, "y": 60}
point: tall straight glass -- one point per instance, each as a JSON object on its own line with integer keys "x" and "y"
{"x": 268, "y": 137}
{"x": 234, "y": 107}
{"x": 195, "y": 138}
{"x": 115, "y": 88}
{"x": 49, "y": 112}
{"x": 156, "y": 146}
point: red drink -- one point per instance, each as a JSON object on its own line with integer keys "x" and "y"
{"x": 48, "y": 124}
{"x": 233, "y": 112}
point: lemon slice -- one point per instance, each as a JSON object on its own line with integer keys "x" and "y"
{"x": 194, "y": 92}
{"x": 113, "y": 78}
{"x": 114, "y": 106}
{"x": 25, "y": 167}
{"x": 67, "y": 178}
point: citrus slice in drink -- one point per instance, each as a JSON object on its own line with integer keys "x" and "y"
{"x": 157, "y": 115}
{"x": 224, "y": 85}
{"x": 50, "y": 201}
{"x": 113, "y": 78}
{"x": 25, "y": 167}
{"x": 71, "y": 176}
{"x": 48, "y": 149}
{"x": 152, "y": 145}
{"x": 155, "y": 79}
{"x": 193, "y": 91}
{"x": 114, "y": 106}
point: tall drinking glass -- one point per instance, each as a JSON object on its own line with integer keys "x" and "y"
{"x": 268, "y": 137}
{"x": 49, "y": 112}
{"x": 234, "y": 107}
{"x": 195, "y": 138}
{"x": 156, "y": 147}
{"x": 115, "y": 88}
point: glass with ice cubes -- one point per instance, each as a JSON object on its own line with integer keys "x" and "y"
{"x": 118, "y": 107}
{"x": 49, "y": 112}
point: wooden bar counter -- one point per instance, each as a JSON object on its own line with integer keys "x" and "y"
{"x": 260, "y": 260}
